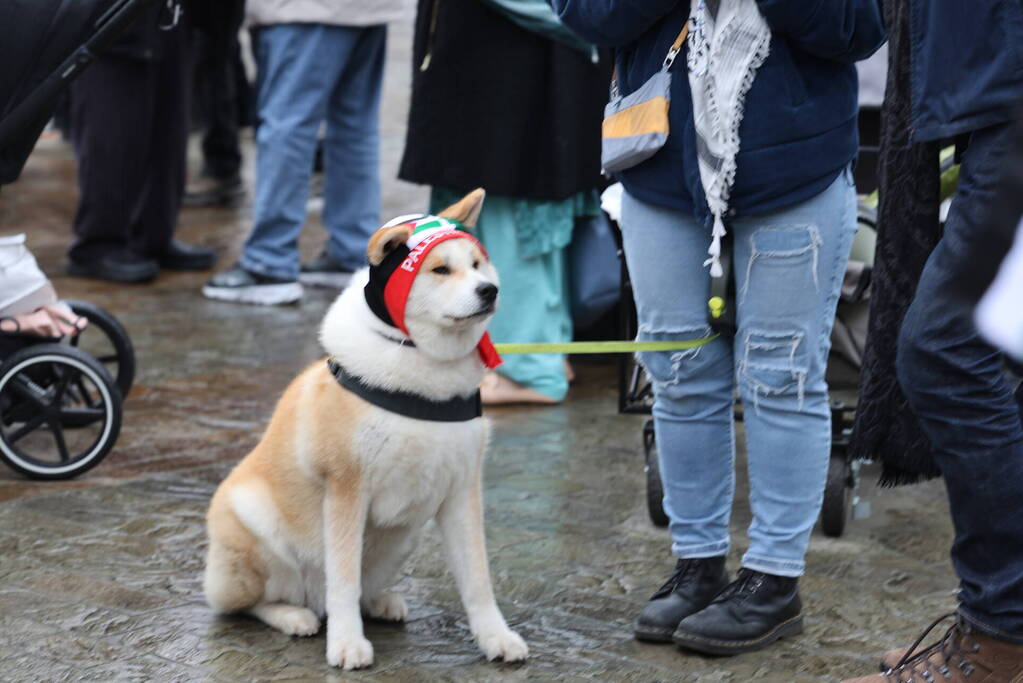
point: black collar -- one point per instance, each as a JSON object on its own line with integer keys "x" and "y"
{"x": 458, "y": 409}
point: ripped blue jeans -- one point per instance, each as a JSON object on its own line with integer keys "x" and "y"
{"x": 789, "y": 266}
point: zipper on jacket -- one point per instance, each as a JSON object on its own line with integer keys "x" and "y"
{"x": 430, "y": 36}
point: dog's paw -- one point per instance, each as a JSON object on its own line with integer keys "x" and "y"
{"x": 387, "y": 606}
{"x": 350, "y": 653}
{"x": 299, "y": 622}
{"x": 507, "y": 645}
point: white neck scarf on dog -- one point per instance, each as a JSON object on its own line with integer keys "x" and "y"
{"x": 728, "y": 41}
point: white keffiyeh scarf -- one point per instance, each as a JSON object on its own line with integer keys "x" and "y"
{"x": 728, "y": 41}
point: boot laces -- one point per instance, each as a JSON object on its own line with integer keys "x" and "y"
{"x": 919, "y": 664}
{"x": 747, "y": 583}
{"x": 683, "y": 569}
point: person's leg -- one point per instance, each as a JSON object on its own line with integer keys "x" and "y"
{"x": 956, "y": 386}
{"x": 533, "y": 307}
{"x": 299, "y": 65}
{"x": 156, "y": 216}
{"x": 693, "y": 405}
{"x": 110, "y": 109}
{"x": 221, "y": 152}
{"x": 693, "y": 402}
{"x": 789, "y": 266}
{"x": 352, "y": 145}
{"x": 789, "y": 270}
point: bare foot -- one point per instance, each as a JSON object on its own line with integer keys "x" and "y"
{"x": 496, "y": 389}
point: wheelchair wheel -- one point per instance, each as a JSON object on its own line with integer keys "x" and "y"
{"x": 835, "y": 510}
{"x": 106, "y": 340}
{"x": 60, "y": 411}
{"x": 654, "y": 487}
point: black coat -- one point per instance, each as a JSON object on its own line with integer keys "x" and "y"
{"x": 501, "y": 108}
{"x": 907, "y": 231}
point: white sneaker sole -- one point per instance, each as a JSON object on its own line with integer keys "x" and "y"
{"x": 328, "y": 280}
{"x": 265, "y": 295}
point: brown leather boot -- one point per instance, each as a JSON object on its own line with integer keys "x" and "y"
{"x": 963, "y": 655}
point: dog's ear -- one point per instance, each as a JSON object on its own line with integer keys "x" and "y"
{"x": 386, "y": 240}
{"x": 466, "y": 210}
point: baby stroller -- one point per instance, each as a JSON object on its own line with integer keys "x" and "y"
{"x": 47, "y": 44}
{"x": 60, "y": 397}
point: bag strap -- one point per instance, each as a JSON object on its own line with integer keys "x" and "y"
{"x": 669, "y": 58}
{"x": 676, "y": 47}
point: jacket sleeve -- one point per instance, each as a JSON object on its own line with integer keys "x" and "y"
{"x": 611, "y": 23}
{"x": 843, "y": 30}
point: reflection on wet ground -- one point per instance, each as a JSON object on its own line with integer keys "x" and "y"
{"x": 99, "y": 577}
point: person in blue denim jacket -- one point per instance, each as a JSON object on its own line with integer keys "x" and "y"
{"x": 959, "y": 66}
{"x": 792, "y": 216}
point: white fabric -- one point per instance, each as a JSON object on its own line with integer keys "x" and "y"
{"x": 1000, "y": 314}
{"x": 611, "y": 201}
{"x": 333, "y": 12}
{"x": 728, "y": 41}
{"x": 23, "y": 287}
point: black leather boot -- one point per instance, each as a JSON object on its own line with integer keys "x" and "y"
{"x": 693, "y": 585}
{"x": 752, "y": 612}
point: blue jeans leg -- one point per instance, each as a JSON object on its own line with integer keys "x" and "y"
{"x": 956, "y": 386}
{"x": 351, "y": 212}
{"x": 789, "y": 270}
{"x": 299, "y": 67}
{"x": 693, "y": 389}
{"x": 789, "y": 267}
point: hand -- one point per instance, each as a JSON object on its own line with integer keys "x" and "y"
{"x": 47, "y": 321}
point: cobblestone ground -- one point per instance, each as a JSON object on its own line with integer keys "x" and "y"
{"x": 99, "y": 577}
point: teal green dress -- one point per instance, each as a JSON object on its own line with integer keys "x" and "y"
{"x": 526, "y": 241}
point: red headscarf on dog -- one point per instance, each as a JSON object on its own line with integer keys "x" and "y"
{"x": 391, "y": 280}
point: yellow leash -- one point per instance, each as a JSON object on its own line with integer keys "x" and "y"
{"x": 605, "y": 346}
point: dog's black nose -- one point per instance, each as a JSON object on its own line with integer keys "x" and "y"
{"x": 487, "y": 292}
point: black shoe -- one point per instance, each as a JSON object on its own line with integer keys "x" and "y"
{"x": 691, "y": 588}
{"x": 209, "y": 191}
{"x": 752, "y": 612}
{"x": 323, "y": 271}
{"x": 181, "y": 256}
{"x": 116, "y": 266}
{"x": 238, "y": 284}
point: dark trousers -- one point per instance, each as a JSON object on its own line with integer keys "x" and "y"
{"x": 130, "y": 131}
{"x": 957, "y": 387}
{"x": 220, "y": 87}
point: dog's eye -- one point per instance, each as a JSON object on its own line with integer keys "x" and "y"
{"x": 476, "y": 265}
{"x": 442, "y": 270}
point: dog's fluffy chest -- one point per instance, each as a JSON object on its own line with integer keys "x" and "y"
{"x": 410, "y": 466}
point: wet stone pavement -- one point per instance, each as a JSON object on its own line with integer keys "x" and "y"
{"x": 100, "y": 576}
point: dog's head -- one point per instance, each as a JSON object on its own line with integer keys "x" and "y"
{"x": 454, "y": 293}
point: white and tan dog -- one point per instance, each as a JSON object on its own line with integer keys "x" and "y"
{"x": 317, "y": 520}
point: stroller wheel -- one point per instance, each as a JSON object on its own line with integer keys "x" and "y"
{"x": 835, "y": 510}
{"x": 106, "y": 340}
{"x": 654, "y": 487}
{"x": 60, "y": 411}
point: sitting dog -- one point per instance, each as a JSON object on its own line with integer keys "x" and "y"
{"x": 364, "y": 449}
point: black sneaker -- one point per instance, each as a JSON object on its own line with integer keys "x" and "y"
{"x": 116, "y": 266}
{"x": 691, "y": 588}
{"x": 238, "y": 284}
{"x": 752, "y": 612}
{"x": 182, "y": 256}
{"x": 208, "y": 191}
{"x": 323, "y": 271}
